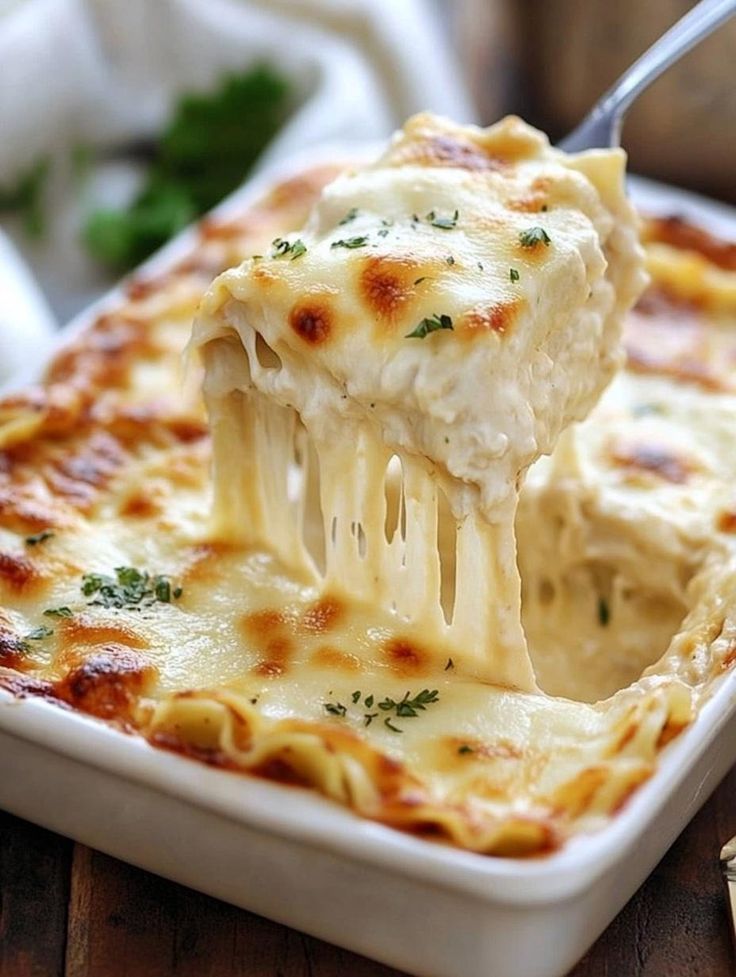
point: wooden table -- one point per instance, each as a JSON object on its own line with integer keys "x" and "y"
{"x": 68, "y": 911}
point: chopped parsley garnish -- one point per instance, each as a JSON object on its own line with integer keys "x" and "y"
{"x": 282, "y": 248}
{"x": 383, "y": 232}
{"x": 335, "y": 709}
{"x": 424, "y": 278}
{"x": 533, "y": 236}
{"x": 445, "y": 223}
{"x": 39, "y": 537}
{"x": 350, "y": 216}
{"x": 465, "y": 749}
{"x": 351, "y": 242}
{"x": 409, "y": 707}
{"x": 513, "y": 274}
{"x": 450, "y": 260}
{"x": 450, "y": 663}
{"x": 129, "y": 588}
{"x": 428, "y": 325}
{"x": 38, "y": 634}
{"x": 604, "y": 612}
{"x": 63, "y": 611}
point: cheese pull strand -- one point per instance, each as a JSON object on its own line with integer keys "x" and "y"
{"x": 265, "y": 498}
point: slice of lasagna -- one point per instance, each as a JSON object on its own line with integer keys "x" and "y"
{"x": 445, "y": 313}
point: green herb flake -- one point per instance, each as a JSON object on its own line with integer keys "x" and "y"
{"x": 424, "y": 278}
{"x": 604, "y": 612}
{"x": 383, "y": 232}
{"x": 351, "y": 242}
{"x": 408, "y": 707}
{"x": 38, "y": 634}
{"x": 462, "y": 750}
{"x": 39, "y": 537}
{"x": 450, "y": 260}
{"x": 450, "y": 664}
{"x": 513, "y": 274}
{"x": 292, "y": 249}
{"x": 350, "y": 216}
{"x": 63, "y": 611}
{"x": 129, "y": 588}
{"x": 162, "y": 589}
{"x": 429, "y": 325}
{"x": 533, "y": 236}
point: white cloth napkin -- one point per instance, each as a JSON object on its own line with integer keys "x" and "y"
{"x": 104, "y": 73}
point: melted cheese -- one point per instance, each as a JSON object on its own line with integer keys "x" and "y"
{"x": 109, "y": 455}
{"x": 319, "y": 335}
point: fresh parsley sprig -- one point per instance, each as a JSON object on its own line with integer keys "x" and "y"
{"x": 205, "y": 151}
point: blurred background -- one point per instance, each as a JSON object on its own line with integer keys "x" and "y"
{"x": 550, "y": 60}
{"x": 121, "y": 121}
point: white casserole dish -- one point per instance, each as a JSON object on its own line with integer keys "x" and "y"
{"x": 289, "y": 854}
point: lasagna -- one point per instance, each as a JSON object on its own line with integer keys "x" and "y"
{"x": 257, "y": 640}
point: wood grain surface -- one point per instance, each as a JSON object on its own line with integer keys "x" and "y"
{"x": 68, "y": 911}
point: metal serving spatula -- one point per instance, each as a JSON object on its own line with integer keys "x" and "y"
{"x": 602, "y": 126}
